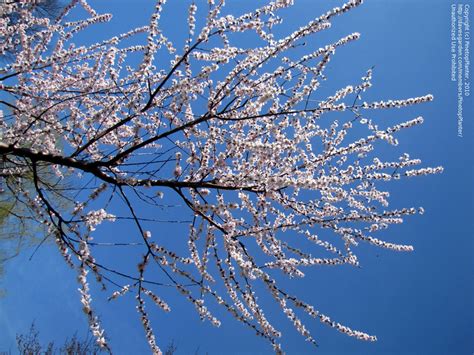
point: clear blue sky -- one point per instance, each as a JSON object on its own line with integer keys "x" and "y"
{"x": 416, "y": 303}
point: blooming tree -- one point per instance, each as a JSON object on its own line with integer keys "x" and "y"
{"x": 267, "y": 171}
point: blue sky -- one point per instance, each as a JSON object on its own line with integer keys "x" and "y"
{"x": 416, "y": 303}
